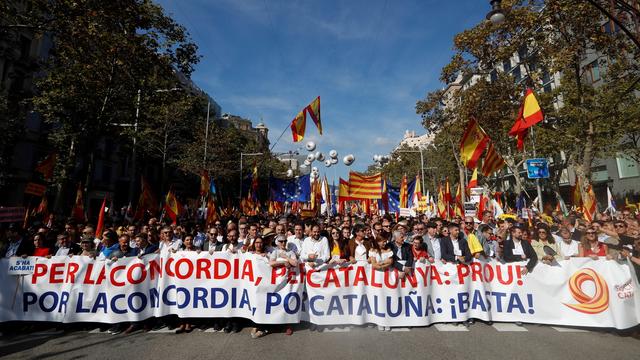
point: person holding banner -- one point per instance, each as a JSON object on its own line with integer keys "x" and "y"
{"x": 454, "y": 247}
{"x": 65, "y": 246}
{"x": 358, "y": 247}
{"x": 515, "y": 250}
{"x": 167, "y": 241}
{"x": 143, "y": 245}
{"x": 315, "y": 248}
{"x": 17, "y": 245}
{"x": 432, "y": 242}
{"x": 543, "y": 242}
{"x": 591, "y": 247}
{"x": 402, "y": 254}
{"x": 294, "y": 242}
{"x": 568, "y": 247}
{"x": 338, "y": 245}
{"x": 40, "y": 249}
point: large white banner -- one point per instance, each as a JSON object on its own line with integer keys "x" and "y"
{"x": 578, "y": 292}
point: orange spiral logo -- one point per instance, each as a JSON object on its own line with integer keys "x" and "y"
{"x": 587, "y": 304}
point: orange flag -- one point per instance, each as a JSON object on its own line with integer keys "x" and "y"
{"x": 590, "y": 204}
{"x": 530, "y": 114}
{"x": 298, "y": 125}
{"x": 172, "y": 207}
{"x": 474, "y": 141}
{"x": 78, "y": 207}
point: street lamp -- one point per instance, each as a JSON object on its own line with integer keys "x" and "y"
{"x": 496, "y": 15}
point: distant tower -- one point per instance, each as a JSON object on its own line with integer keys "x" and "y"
{"x": 263, "y": 131}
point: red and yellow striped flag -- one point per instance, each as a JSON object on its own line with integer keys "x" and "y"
{"x": 298, "y": 125}
{"x": 314, "y": 111}
{"x": 474, "y": 141}
{"x": 365, "y": 187}
{"x": 492, "y": 161}
{"x": 474, "y": 180}
{"x": 442, "y": 207}
{"x": 404, "y": 193}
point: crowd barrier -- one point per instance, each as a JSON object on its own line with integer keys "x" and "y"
{"x": 575, "y": 292}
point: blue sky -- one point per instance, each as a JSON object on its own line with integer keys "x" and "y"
{"x": 369, "y": 61}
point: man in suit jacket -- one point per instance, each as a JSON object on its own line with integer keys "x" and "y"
{"x": 516, "y": 249}
{"x": 454, "y": 246}
{"x": 18, "y": 245}
{"x": 402, "y": 254}
{"x": 144, "y": 246}
{"x": 66, "y": 246}
{"x": 212, "y": 243}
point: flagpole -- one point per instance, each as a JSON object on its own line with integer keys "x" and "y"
{"x": 538, "y": 188}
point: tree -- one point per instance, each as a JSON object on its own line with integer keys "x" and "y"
{"x": 584, "y": 119}
{"x": 103, "y": 53}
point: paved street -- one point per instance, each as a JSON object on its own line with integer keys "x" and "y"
{"x": 504, "y": 341}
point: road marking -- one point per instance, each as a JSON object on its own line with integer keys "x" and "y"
{"x": 400, "y": 329}
{"x": 163, "y": 330}
{"x": 568, "y": 329}
{"x": 337, "y": 330}
{"x": 508, "y": 327}
{"x": 450, "y": 327}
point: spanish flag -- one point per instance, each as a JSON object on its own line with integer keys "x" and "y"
{"x": 458, "y": 202}
{"x": 577, "y": 194}
{"x": 474, "y": 180}
{"x": 314, "y": 111}
{"x": 204, "y": 183}
{"x": 146, "y": 201}
{"x": 530, "y": 114}
{"x": 298, "y": 125}
{"x": 492, "y": 161}
{"x": 365, "y": 186}
{"x": 172, "y": 207}
{"x": 343, "y": 195}
{"x": 474, "y": 141}
{"x": 590, "y": 204}
{"x": 404, "y": 193}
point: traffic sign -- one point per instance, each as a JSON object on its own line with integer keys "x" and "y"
{"x": 537, "y": 168}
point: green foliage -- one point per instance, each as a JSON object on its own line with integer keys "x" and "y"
{"x": 584, "y": 119}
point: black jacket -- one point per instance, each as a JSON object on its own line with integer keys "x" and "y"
{"x": 26, "y": 247}
{"x": 405, "y": 251}
{"x": 526, "y": 248}
{"x": 446, "y": 248}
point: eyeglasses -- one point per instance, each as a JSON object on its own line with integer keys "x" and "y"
{"x": 620, "y": 225}
{"x": 591, "y": 232}
{"x": 542, "y": 232}
{"x": 469, "y": 222}
{"x": 385, "y": 226}
{"x": 335, "y": 233}
{"x": 86, "y": 232}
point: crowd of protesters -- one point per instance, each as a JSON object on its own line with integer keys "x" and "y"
{"x": 382, "y": 241}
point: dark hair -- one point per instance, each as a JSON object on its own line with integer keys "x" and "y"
{"x": 432, "y": 224}
{"x": 484, "y": 227}
{"x": 376, "y": 246}
{"x": 358, "y": 227}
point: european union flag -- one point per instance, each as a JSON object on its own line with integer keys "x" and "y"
{"x": 296, "y": 189}
{"x": 394, "y": 198}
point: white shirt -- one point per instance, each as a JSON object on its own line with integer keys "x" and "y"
{"x": 165, "y": 248}
{"x": 63, "y": 251}
{"x": 320, "y": 247}
{"x": 231, "y": 247}
{"x": 456, "y": 247}
{"x": 570, "y": 249}
{"x": 435, "y": 244}
{"x": 517, "y": 248}
{"x": 294, "y": 244}
{"x": 360, "y": 252}
{"x": 278, "y": 254}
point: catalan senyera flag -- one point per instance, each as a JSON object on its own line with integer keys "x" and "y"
{"x": 343, "y": 195}
{"x": 590, "y": 204}
{"x": 530, "y": 114}
{"x": 314, "y": 111}
{"x": 492, "y": 161}
{"x": 298, "y": 125}
{"x": 43, "y": 208}
{"x": 417, "y": 193}
{"x": 459, "y": 211}
{"x": 404, "y": 192}
{"x": 172, "y": 206}
{"x": 78, "y": 208}
{"x": 442, "y": 206}
{"x": 474, "y": 141}
{"x": 474, "y": 180}
{"x": 365, "y": 186}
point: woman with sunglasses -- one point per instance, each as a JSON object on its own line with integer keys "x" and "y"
{"x": 591, "y": 247}
{"x": 542, "y": 239}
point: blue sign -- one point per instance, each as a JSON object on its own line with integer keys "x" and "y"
{"x": 537, "y": 168}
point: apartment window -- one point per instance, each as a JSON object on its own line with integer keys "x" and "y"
{"x": 494, "y": 75}
{"x": 517, "y": 74}
{"x": 599, "y": 173}
{"x": 506, "y": 65}
{"x": 627, "y": 168}
{"x": 522, "y": 53}
{"x": 591, "y": 72}
{"x": 610, "y": 27}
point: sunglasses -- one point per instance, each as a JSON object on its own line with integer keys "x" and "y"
{"x": 591, "y": 233}
{"x": 542, "y": 232}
